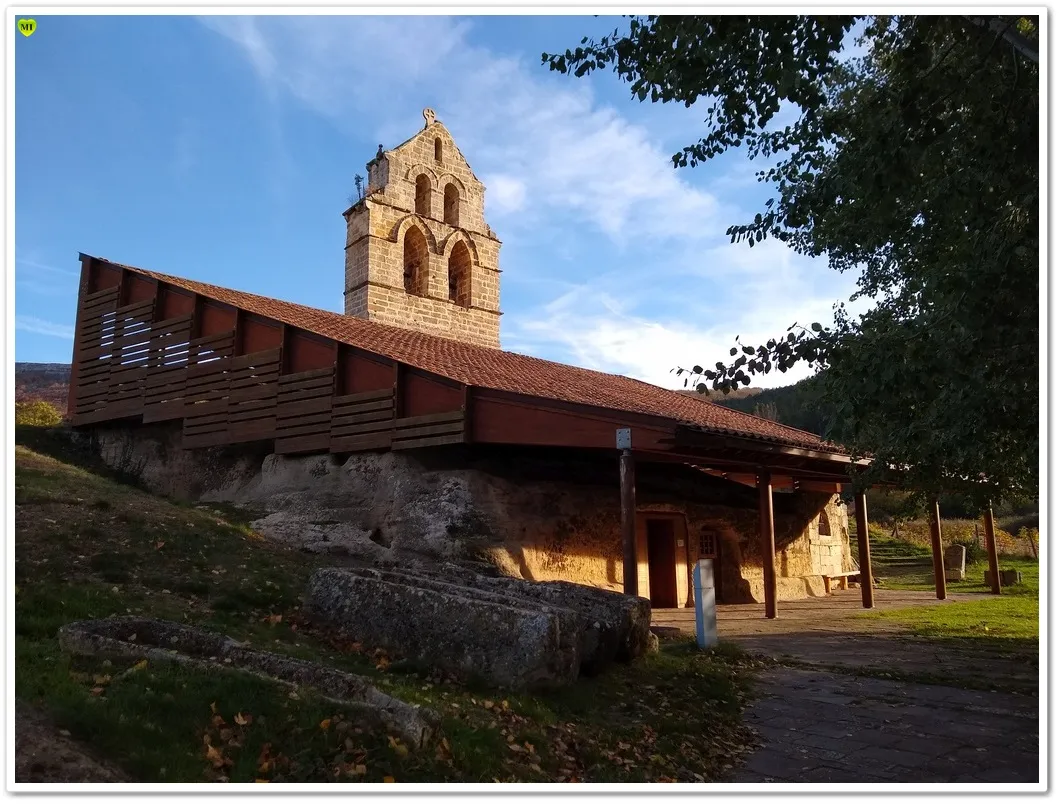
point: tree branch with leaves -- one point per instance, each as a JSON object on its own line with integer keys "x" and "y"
{"x": 912, "y": 164}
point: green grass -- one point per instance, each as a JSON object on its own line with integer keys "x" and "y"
{"x": 1011, "y": 616}
{"x": 88, "y": 546}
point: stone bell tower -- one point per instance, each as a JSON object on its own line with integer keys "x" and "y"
{"x": 419, "y": 254}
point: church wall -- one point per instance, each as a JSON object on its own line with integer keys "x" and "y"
{"x": 539, "y": 515}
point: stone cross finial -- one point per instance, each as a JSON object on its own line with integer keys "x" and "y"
{"x": 428, "y": 116}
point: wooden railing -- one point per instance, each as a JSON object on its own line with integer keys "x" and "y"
{"x": 131, "y": 368}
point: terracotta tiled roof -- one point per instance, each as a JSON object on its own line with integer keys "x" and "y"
{"x": 506, "y": 371}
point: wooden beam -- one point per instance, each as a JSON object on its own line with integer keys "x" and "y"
{"x": 994, "y": 575}
{"x": 818, "y": 485}
{"x": 82, "y": 291}
{"x": 196, "y": 316}
{"x": 767, "y": 542}
{"x": 466, "y": 393}
{"x": 936, "y": 550}
{"x": 861, "y": 518}
{"x": 285, "y": 348}
{"x": 399, "y": 392}
{"x": 750, "y": 479}
{"x": 629, "y": 522}
{"x": 237, "y": 336}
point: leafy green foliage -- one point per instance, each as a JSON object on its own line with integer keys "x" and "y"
{"x": 914, "y": 165}
{"x": 37, "y": 413}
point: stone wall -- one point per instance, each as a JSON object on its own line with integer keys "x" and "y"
{"x": 531, "y": 514}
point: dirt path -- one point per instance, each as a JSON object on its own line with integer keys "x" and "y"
{"x": 823, "y": 717}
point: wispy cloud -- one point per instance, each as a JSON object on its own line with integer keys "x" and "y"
{"x": 36, "y": 266}
{"x": 684, "y": 313}
{"x": 44, "y": 288}
{"x": 572, "y": 183}
{"x": 544, "y": 137}
{"x": 39, "y": 326}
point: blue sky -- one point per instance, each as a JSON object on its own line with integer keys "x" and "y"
{"x": 223, "y": 149}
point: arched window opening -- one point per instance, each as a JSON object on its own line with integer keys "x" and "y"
{"x": 451, "y": 214}
{"x": 823, "y": 527}
{"x": 437, "y": 149}
{"x": 416, "y": 262}
{"x": 460, "y": 275}
{"x": 423, "y": 195}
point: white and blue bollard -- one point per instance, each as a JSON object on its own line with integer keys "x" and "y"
{"x": 706, "y": 605}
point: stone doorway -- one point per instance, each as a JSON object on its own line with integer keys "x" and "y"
{"x": 662, "y": 558}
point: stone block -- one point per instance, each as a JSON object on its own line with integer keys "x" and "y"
{"x": 622, "y": 621}
{"x": 511, "y": 646}
{"x": 165, "y": 642}
{"x": 953, "y": 562}
{"x": 1008, "y": 577}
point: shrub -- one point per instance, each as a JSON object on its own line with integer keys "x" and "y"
{"x": 37, "y": 413}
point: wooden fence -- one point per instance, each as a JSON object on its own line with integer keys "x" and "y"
{"x": 130, "y": 367}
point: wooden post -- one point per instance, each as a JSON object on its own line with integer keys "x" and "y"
{"x": 861, "y": 518}
{"x": 79, "y": 321}
{"x": 991, "y": 550}
{"x": 936, "y": 550}
{"x": 629, "y": 523}
{"x": 768, "y": 542}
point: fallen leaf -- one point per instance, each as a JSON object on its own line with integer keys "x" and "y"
{"x": 388, "y": 779}
{"x": 159, "y": 545}
{"x": 97, "y": 690}
{"x": 213, "y": 708}
{"x": 325, "y": 724}
{"x": 242, "y": 720}
{"x": 259, "y": 781}
{"x": 214, "y": 756}
{"x": 359, "y": 770}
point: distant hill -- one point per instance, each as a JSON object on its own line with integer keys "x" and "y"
{"x": 47, "y": 381}
{"x": 794, "y": 405}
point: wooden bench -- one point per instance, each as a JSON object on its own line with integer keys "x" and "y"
{"x": 843, "y": 578}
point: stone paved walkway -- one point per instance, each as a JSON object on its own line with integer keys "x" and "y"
{"x": 828, "y": 727}
{"x": 819, "y": 725}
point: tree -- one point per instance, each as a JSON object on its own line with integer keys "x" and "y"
{"x": 37, "y": 413}
{"x": 766, "y": 410}
{"x": 914, "y": 165}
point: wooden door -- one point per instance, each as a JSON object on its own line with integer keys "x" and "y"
{"x": 662, "y": 563}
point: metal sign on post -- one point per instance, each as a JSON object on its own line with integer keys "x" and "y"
{"x": 706, "y": 605}
{"x": 624, "y": 443}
